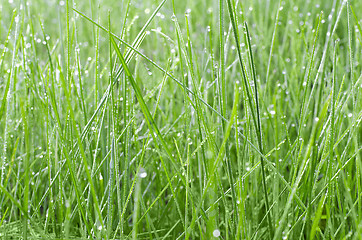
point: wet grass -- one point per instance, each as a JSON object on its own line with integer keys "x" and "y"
{"x": 180, "y": 119}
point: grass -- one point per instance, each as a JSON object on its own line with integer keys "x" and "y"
{"x": 180, "y": 119}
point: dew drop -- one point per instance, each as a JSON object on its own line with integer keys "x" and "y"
{"x": 142, "y": 173}
{"x": 216, "y": 233}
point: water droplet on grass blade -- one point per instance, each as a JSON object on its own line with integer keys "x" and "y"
{"x": 142, "y": 173}
{"x": 216, "y": 233}
{"x": 173, "y": 17}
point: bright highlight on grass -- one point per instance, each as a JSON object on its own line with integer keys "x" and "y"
{"x": 189, "y": 119}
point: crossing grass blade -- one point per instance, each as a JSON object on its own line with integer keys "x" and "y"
{"x": 253, "y": 105}
{"x": 143, "y": 105}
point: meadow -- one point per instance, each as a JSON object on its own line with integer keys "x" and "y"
{"x": 169, "y": 119}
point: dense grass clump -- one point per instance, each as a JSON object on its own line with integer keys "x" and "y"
{"x": 194, "y": 119}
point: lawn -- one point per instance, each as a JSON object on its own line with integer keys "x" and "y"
{"x": 169, "y": 119}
